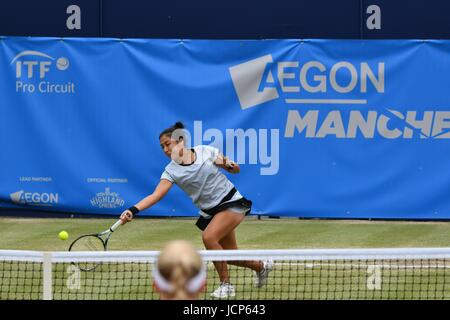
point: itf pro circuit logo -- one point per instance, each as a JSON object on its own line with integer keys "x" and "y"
{"x": 107, "y": 200}
{"x": 307, "y": 83}
{"x": 32, "y": 69}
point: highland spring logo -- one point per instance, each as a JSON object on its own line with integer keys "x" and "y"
{"x": 107, "y": 200}
{"x": 32, "y": 68}
{"x": 262, "y": 80}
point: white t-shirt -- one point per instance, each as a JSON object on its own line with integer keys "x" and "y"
{"x": 201, "y": 180}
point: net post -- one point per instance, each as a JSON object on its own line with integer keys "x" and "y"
{"x": 47, "y": 275}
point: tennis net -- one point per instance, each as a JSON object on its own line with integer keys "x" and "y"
{"x": 413, "y": 273}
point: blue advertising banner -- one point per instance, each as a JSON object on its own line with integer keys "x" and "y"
{"x": 321, "y": 128}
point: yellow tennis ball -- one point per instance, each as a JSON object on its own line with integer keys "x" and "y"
{"x": 63, "y": 235}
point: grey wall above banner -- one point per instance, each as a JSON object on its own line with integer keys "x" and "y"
{"x": 233, "y": 19}
{"x": 62, "y": 18}
{"x": 405, "y": 19}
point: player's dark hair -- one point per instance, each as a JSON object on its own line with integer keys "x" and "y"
{"x": 178, "y": 125}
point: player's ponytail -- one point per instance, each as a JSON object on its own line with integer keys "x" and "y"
{"x": 169, "y": 131}
{"x": 179, "y": 125}
{"x": 179, "y": 280}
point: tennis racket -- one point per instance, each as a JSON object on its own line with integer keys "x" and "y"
{"x": 93, "y": 242}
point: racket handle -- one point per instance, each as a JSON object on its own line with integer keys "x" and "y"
{"x": 116, "y": 225}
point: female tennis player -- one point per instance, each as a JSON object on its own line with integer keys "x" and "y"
{"x": 179, "y": 273}
{"x": 222, "y": 207}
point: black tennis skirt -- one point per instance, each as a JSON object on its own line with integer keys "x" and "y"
{"x": 243, "y": 203}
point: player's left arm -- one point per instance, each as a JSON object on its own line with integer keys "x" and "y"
{"x": 226, "y": 164}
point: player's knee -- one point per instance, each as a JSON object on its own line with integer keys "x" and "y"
{"x": 209, "y": 239}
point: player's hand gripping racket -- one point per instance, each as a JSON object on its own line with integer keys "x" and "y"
{"x": 93, "y": 242}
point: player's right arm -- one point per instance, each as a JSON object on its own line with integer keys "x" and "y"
{"x": 160, "y": 191}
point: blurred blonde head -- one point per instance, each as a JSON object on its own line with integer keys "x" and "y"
{"x": 179, "y": 273}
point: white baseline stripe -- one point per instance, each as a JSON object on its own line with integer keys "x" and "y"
{"x": 361, "y": 266}
{"x": 326, "y": 101}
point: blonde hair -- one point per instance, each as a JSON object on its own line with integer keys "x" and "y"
{"x": 178, "y": 265}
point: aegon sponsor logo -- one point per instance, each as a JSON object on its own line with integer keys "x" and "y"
{"x": 34, "y": 198}
{"x": 261, "y": 80}
{"x": 107, "y": 199}
{"x": 31, "y": 65}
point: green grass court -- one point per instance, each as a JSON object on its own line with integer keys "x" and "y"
{"x": 288, "y": 280}
{"x": 152, "y": 234}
